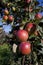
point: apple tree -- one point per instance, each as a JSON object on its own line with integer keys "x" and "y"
{"x": 23, "y": 45}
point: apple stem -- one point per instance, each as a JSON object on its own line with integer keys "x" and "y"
{"x": 23, "y": 60}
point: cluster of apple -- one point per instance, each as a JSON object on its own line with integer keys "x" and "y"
{"x": 7, "y": 16}
{"x": 22, "y": 36}
{"x": 11, "y": 18}
{"x": 25, "y": 46}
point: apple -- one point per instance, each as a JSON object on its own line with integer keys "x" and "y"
{"x": 5, "y": 17}
{"x": 27, "y": 1}
{"x": 38, "y": 16}
{"x": 25, "y": 48}
{"x": 10, "y": 18}
{"x": 22, "y": 35}
{"x": 30, "y": 27}
{"x": 6, "y": 12}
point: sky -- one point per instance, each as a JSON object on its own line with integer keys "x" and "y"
{"x": 8, "y": 28}
{"x": 41, "y": 2}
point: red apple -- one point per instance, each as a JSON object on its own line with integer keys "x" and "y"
{"x": 30, "y": 27}
{"x": 22, "y": 35}
{"x": 10, "y": 18}
{"x": 25, "y": 48}
{"x": 5, "y": 17}
{"x": 38, "y": 16}
{"x": 6, "y": 12}
{"x": 27, "y": 1}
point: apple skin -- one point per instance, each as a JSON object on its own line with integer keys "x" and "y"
{"x": 22, "y": 35}
{"x": 5, "y": 17}
{"x": 38, "y": 16}
{"x": 30, "y": 27}
{"x": 27, "y": 1}
{"x": 10, "y": 18}
{"x": 25, "y": 48}
{"x": 6, "y": 12}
